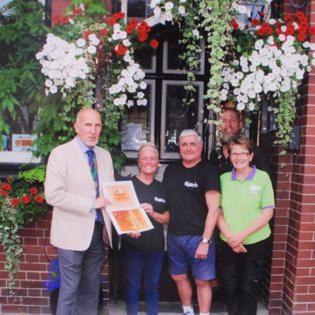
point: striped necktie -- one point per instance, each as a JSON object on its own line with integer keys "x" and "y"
{"x": 94, "y": 173}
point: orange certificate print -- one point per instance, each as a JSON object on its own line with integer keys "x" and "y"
{"x": 125, "y": 211}
{"x": 131, "y": 220}
{"x": 121, "y": 195}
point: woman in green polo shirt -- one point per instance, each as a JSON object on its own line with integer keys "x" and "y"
{"x": 247, "y": 202}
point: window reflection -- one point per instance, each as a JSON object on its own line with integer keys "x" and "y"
{"x": 177, "y": 116}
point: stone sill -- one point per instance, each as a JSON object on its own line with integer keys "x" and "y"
{"x": 11, "y": 157}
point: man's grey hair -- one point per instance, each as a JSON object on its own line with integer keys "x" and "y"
{"x": 190, "y": 132}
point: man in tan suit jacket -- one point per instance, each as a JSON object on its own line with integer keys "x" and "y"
{"x": 79, "y": 215}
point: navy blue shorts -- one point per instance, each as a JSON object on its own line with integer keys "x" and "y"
{"x": 181, "y": 253}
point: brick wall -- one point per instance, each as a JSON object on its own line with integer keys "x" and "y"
{"x": 292, "y": 282}
{"x": 31, "y": 296}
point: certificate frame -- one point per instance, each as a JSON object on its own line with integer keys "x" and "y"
{"x": 125, "y": 211}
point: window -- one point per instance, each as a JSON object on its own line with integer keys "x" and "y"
{"x": 177, "y": 116}
{"x": 139, "y": 128}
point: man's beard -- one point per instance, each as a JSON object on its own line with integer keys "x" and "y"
{"x": 227, "y": 137}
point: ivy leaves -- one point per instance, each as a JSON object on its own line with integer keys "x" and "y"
{"x": 21, "y": 35}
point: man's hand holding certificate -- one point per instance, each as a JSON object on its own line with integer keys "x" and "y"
{"x": 125, "y": 211}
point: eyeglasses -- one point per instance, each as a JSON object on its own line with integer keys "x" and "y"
{"x": 240, "y": 154}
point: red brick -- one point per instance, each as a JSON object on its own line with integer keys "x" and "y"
{"x": 34, "y": 310}
{"x": 33, "y": 275}
{"x": 304, "y": 297}
{"x": 13, "y": 309}
{"x": 35, "y": 301}
{"x": 311, "y": 307}
{"x": 33, "y": 266}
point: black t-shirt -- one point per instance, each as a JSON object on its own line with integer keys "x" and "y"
{"x": 152, "y": 239}
{"x": 185, "y": 191}
{"x": 225, "y": 165}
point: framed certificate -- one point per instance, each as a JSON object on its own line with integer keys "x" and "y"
{"x": 125, "y": 211}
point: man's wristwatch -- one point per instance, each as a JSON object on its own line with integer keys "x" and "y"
{"x": 205, "y": 240}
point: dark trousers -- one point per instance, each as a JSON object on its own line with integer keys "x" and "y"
{"x": 80, "y": 273}
{"x": 147, "y": 265}
{"x": 240, "y": 276}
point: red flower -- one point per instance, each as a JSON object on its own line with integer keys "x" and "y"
{"x": 142, "y": 37}
{"x": 87, "y": 33}
{"x": 39, "y": 198}
{"x": 25, "y": 199}
{"x": 287, "y": 17}
{"x": 300, "y": 16}
{"x": 6, "y": 187}
{"x": 120, "y": 50}
{"x": 60, "y": 20}
{"x": 33, "y": 190}
{"x": 312, "y": 30}
{"x": 77, "y": 12}
{"x": 119, "y": 15}
{"x": 104, "y": 32}
{"x": 234, "y": 24}
{"x": 301, "y": 37}
{"x": 261, "y": 31}
{"x": 14, "y": 202}
{"x": 3, "y": 193}
{"x": 131, "y": 26}
{"x": 261, "y": 14}
{"x": 290, "y": 30}
{"x": 111, "y": 21}
{"x": 154, "y": 43}
{"x": 255, "y": 22}
{"x": 143, "y": 27}
{"x": 267, "y": 28}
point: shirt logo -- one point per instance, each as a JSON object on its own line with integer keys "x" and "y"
{"x": 157, "y": 199}
{"x": 254, "y": 188}
{"x": 193, "y": 185}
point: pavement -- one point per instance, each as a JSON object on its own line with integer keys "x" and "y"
{"x": 171, "y": 308}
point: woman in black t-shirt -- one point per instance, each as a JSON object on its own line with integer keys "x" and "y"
{"x": 143, "y": 253}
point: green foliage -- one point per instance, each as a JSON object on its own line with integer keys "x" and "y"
{"x": 21, "y": 202}
{"x": 34, "y": 175}
{"x": 21, "y": 85}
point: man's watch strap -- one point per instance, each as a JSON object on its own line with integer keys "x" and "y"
{"x": 205, "y": 240}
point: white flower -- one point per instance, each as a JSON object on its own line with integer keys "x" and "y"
{"x": 181, "y": 10}
{"x": 153, "y": 4}
{"x": 240, "y": 106}
{"x": 282, "y": 37}
{"x": 48, "y": 83}
{"x": 130, "y": 103}
{"x": 126, "y": 42}
{"x": 91, "y": 49}
{"x": 195, "y": 33}
{"x": 143, "y": 85}
{"x": 140, "y": 95}
{"x": 53, "y": 89}
{"x": 251, "y": 106}
{"x": 93, "y": 39}
{"x": 272, "y": 21}
{"x": 169, "y": 6}
{"x": 157, "y": 12}
{"x": 80, "y": 42}
{"x": 306, "y": 44}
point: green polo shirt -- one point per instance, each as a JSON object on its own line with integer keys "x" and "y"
{"x": 243, "y": 201}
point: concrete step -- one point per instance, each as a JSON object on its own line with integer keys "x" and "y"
{"x": 171, "y": 308}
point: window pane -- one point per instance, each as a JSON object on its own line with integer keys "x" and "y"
{"x": 177, "y": 115}
{"x": 147, "y": 59}
{"x": 171, "y": 60}
{"x": 139, "y": 126}
{"x": 139, "y": 8}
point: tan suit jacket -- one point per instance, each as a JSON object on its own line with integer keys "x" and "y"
{"x": 70, "y": 189}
